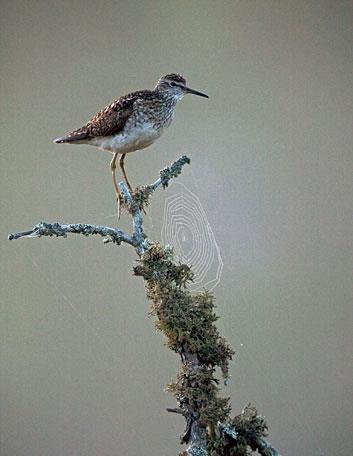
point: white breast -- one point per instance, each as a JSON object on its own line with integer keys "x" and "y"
{"x": 134, "y": 139}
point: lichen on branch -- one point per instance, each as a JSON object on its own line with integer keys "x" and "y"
{"x": 188, "y": 321}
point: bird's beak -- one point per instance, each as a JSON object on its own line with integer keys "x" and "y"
{"x": 195, "y": 92}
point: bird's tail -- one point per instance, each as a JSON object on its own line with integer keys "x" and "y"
{"x": 77, "y": 136}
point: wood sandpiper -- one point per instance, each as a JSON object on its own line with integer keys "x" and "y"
{"x": 132, "y": 122}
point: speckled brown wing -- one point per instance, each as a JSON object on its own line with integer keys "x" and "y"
{"x": 109, "y": 121}
{"x": 112, "y": 119}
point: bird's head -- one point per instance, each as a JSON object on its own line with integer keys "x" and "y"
{"x": 175, "y": 85}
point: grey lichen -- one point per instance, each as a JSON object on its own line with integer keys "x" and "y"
{"x": 196, "y": 451}
{"x": 61, "y": 230}
{"x": 173, "y": 170}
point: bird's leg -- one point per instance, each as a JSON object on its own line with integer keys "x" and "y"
{"x": 121, "y": 162}
{"x": 117, "y": 191}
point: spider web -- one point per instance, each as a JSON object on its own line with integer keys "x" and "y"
{"x": 187, "y": 229}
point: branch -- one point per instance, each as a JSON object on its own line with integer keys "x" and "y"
{"x": 175, "y": 410}
{"x": 170, "y": 171}
{"x": 60, "y": 230}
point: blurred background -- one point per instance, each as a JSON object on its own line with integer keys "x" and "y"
{"x": 82, "y": 367}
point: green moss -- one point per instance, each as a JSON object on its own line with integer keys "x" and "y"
{"x": 141, "y": 197}
{"x": 187, "y": 320}
{"x": 188, "y": 323}
{"x": 241, "y": 436}
{"x": 250, "y": 425}
{"x": 196, "y": 387}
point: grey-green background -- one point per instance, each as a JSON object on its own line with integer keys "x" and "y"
{"x": 82, "y": 368}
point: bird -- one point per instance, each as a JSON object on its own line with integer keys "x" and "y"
{"x": 132, "y": 122}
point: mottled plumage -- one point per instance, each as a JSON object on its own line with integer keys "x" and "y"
{"x": 133, "y": 121}
{"x": 143, "y": 114}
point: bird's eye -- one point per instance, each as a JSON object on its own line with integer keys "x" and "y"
{"x": 173, "y": 84}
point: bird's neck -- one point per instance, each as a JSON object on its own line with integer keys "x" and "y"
{"x": 165, "y": 108}
{"x": 170, "y": 99}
